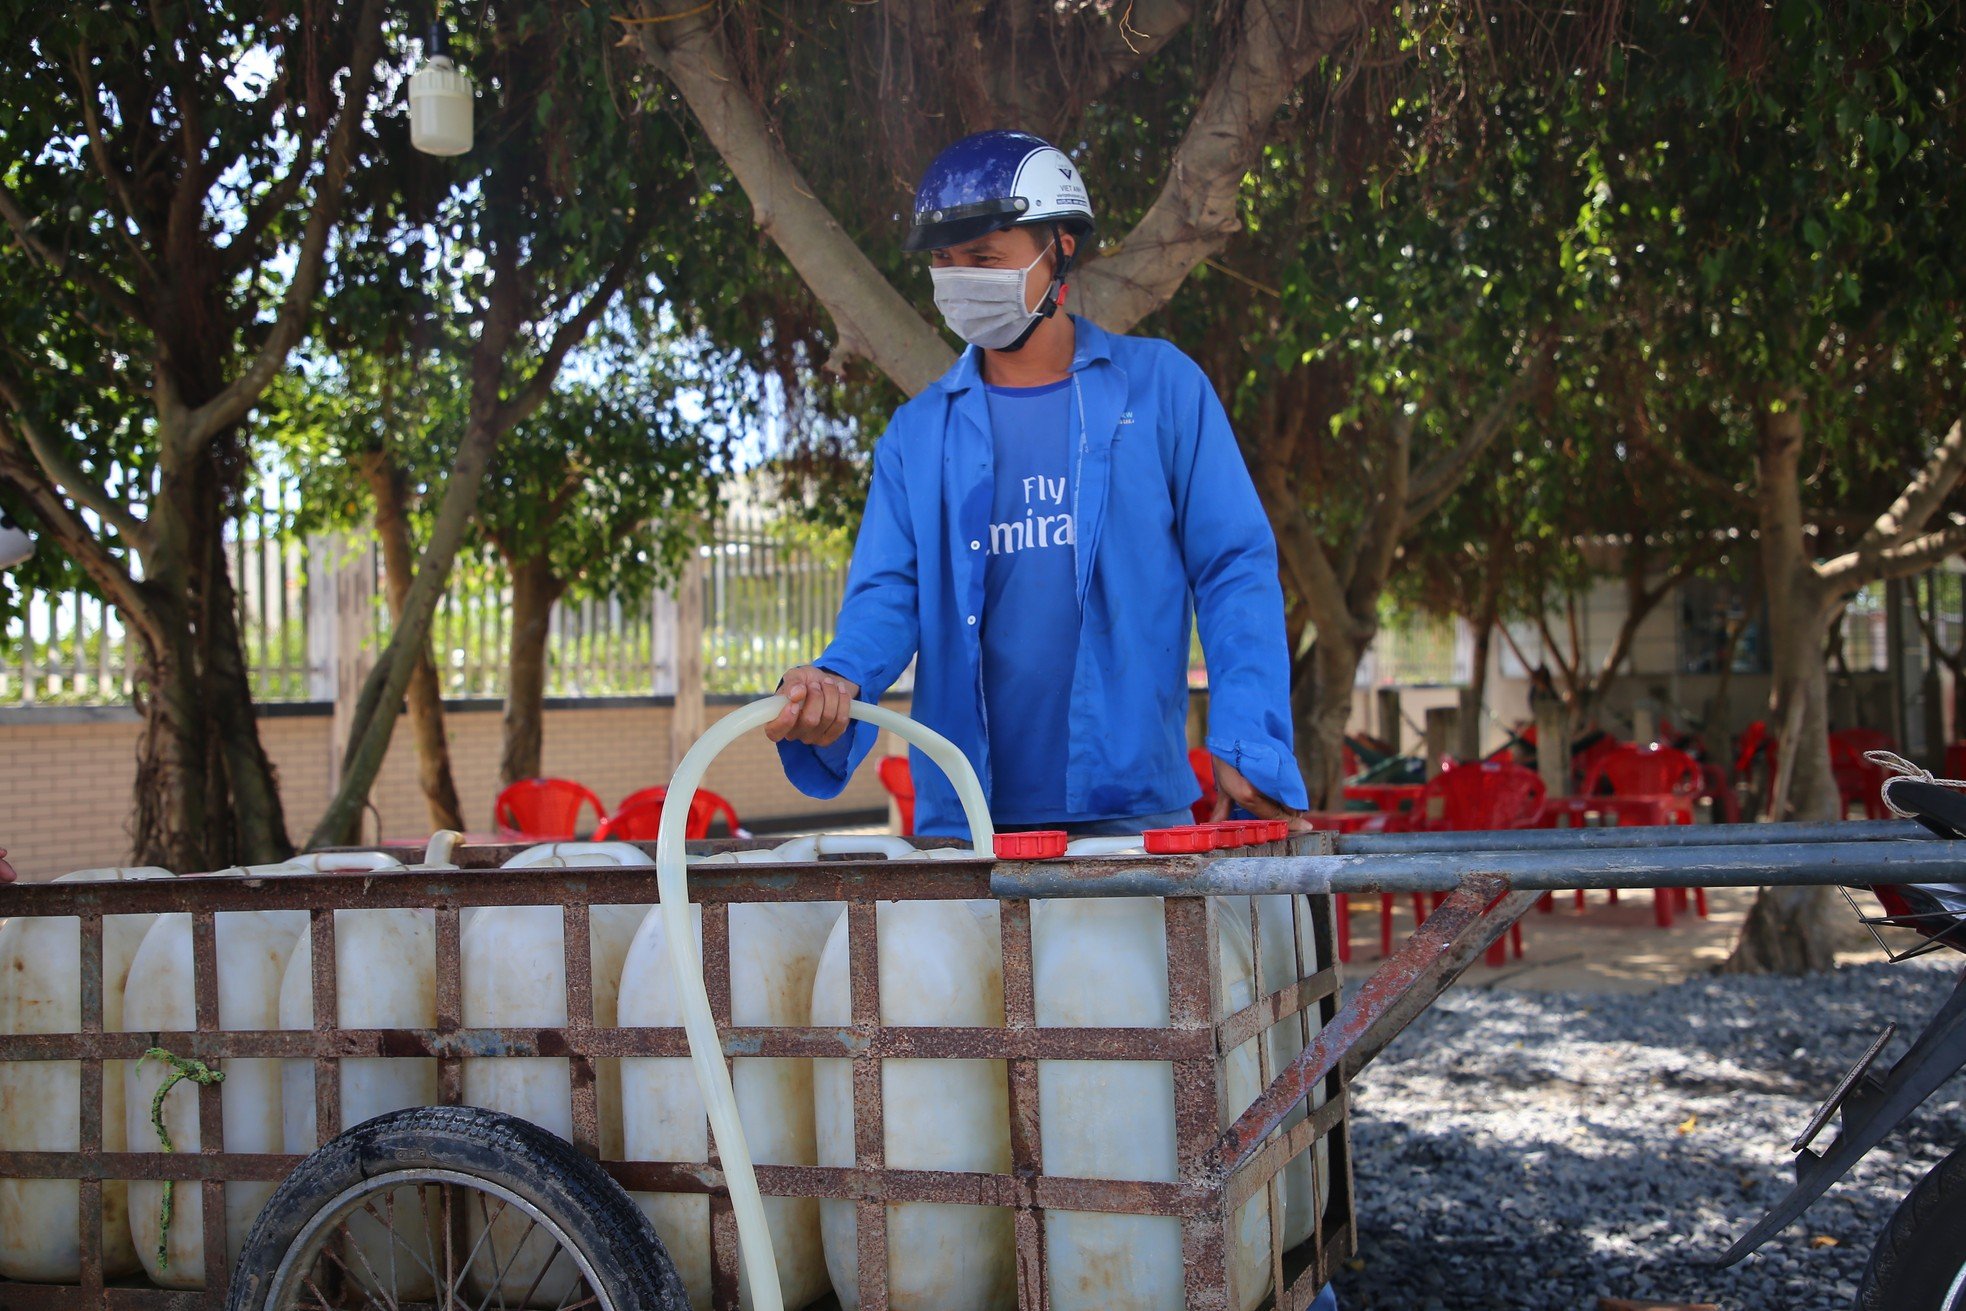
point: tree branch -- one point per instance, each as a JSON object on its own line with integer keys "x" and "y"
{"x": 20, "y": 470}
{"x": 1133, "y": 37}
{"x": 22, "y": 227}
{"x": 66, "y": 476}
{"x": 1385, "y": 521}
{"x": 870, "y": 318}
{"x": 1437, "y": 479}
{"x": 573, "y": 331}
{"x": 1951, "y": 657}
{"x": 1521, "y": 657}
{"x": 1277, "y": 42}
{"x": 231, "y": 404}
{"x": 1302, "y": 554}
{"x": 1642, "y": 435}
{"x": 1922, "y": 497}
{"x": 1853, "y": 569}
{"x": 1553, "y": 651}
{"x": 99, "y": 150}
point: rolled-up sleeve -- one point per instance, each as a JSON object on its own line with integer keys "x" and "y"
{"x": 879, "y": 625}
{"x": 1230, "y": 555}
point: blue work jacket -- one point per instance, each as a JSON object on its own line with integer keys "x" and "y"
{"x": 1167, "y": 524}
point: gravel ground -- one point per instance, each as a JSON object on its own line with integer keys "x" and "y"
{"x": 1539, "y": 1151}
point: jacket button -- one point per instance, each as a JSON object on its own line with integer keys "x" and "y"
{"x": 972, "y": 619}
{"x": 976, "y": 546}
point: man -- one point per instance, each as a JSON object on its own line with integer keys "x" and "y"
{"x": 1040, "y": 520}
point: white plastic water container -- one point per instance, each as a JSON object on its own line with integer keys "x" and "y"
{"x": 774, "y": 956}
{"x": 40, "y": 992}
{"x": 385, "y": 978}
{"x": 253, "y": 948}
{"x": 1305, "y": 1182}
{"x": 1098, "y": 963}
{"x": 514, "y": 976}
{"x": 941, "y": 963}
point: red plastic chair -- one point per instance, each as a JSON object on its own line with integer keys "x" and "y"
{"x": 1477, "y": 796}
{"x": 1856, "y": 778}
{"x": 543, "y": 809}
{"x": 1666, "y": 780}
{"x": 1204, "y": 766}
{"x": 899, "y": 780}
{"x": 639, "y": 817}
{"x": 708, "y": 806}
{"x": 1649, "y": 771}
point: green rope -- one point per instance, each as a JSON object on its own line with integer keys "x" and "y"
{"x": 181, "y": 1069}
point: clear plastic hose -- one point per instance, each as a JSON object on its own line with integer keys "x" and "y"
{"x": 706, "y": 1053}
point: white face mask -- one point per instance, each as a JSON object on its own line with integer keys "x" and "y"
{"x": 985, "y": 307}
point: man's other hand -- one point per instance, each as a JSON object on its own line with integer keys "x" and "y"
{"x": 6, "y": 870}
{"x": 1232, "y": 789}
{"x": 815, "y": 707}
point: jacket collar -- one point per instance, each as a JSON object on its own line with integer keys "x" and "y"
{"x": 1091, "y": 344}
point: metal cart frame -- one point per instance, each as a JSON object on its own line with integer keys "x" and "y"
{"x": 1218, "y": 1171}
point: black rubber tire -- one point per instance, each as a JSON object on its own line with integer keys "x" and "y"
{"x": 593, "y": 1210}
{"x": 1921, "y": 1255}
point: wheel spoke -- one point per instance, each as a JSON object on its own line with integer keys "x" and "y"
{"x": 354, "y": 1244}
{"x": 540, "y": 1278}
{"x": 498, "y": 1280}
{"x": 514, "y": 1261}
{"x": 396, "y": 1240}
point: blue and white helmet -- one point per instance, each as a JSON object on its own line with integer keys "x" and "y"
{"x": 996, "y": 180}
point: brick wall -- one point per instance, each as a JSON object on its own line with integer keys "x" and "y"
{"x": 66, "y": 774}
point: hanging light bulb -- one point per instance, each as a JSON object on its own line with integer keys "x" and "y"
{"x": 440, "y": 101}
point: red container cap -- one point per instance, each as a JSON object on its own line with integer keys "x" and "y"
{"x": 1230, "y": 833}
{"x": 1183, "y": 840}
{"x": 1038, "y": 844}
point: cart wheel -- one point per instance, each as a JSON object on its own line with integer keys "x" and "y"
{"x": 452, "y": 1205}
{"x": 1919, "y": 1263}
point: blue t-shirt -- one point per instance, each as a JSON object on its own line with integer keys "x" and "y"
{"x": 1030, "y": 602}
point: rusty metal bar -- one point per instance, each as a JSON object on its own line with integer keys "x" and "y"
{"x": 1457, "y": 919}
{"x": 68, "y": 1297}
{"x": 1193, "y": 1001}
{"x": 577, "y": 950}
{"x": 211, "y": 1103}
{"x": 1438, "y": 978}
{"x": 1287, "y": 1003}
{"x": 1632, "y": 835}
{"x": 1263, "y": 1166}
{"x": 450, "y": 1003}
{"x": 951, "y": 1043}
{"x": 826, "y": 880}
{"x": 324, "y": 956}
{"x": 1026, "y": 1128}
{"x": 725, "y": 1252}
{"x": 91, "y": 985}
{"x": 869, "y": 1101}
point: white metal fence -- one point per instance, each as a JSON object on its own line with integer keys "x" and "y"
{"x": 770, "y": 592}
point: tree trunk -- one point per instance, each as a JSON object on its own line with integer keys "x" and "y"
{"x": 206, "y": 796}
{"x": 1321, "y": 729}
{"x": 1793, "y": 930}
{"x": 426, "y": 698}
{"x": 534, "y": 592}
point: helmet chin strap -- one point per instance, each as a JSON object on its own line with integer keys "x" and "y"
{"x": 1054, "y": 295}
